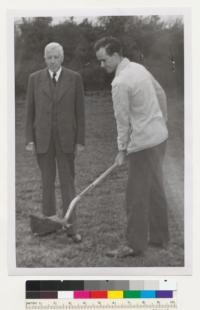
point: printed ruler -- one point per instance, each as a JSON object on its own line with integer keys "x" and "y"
{"x": 158, "y": 304}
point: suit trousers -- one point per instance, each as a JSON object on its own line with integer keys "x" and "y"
{"x": 146, "y": 205}
{"x": 48, "y": 162}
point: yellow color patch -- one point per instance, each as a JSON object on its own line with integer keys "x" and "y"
{"x": 115, "y": 294}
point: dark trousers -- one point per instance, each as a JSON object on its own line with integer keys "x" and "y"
{"x": 146, "y": 203}
{"x": 65, "y": 163}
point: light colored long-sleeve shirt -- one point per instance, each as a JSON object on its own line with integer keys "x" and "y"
{"x": 140, "y": 108}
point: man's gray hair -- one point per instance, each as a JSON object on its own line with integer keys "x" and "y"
{"x": 54, "y": 45}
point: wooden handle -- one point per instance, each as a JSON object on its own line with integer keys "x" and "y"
{"x": 87, "y": 189}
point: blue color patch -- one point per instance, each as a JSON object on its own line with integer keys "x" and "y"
{"x": 148, "y": 294}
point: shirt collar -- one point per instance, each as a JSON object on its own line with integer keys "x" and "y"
{"x": 57, "y": 73}
{"x": 122, "y": 65}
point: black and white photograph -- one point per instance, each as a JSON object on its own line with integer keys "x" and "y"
{"x": 100, "y": 167}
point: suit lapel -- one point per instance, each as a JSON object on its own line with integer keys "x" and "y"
{"x": 46, "y": 83}
{"x": 63, "y": 84}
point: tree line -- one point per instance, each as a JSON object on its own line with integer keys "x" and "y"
{"x": 149, "y": 40}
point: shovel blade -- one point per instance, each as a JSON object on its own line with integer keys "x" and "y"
{"x": 44, "y": 225}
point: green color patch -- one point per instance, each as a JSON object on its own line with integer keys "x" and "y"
{"x": 132, "y": 294}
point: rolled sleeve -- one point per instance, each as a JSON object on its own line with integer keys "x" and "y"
{"x": 120, "y": 96}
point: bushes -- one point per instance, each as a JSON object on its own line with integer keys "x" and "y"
{"x": 146, "y": 39}
{"x": 23, "y": 72}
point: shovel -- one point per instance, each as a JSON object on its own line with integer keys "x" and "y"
{"x": 41, "y": 225}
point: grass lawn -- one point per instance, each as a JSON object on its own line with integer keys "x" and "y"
{"x": 101, "y": 214}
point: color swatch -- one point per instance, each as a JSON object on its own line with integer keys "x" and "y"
{"x": 97, "y": 290}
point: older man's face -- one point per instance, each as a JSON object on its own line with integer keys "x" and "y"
{"x": 109, "y": 63}
{"x": 53, "y": 58}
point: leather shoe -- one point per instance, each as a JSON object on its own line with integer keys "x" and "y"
{"x": 123, "y": 252}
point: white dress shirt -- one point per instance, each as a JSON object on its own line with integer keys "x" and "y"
{"x": 139, "y": 104}
{"x": 57, "y": 74}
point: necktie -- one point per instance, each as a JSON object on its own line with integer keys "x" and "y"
{"x": 54, "y": 78}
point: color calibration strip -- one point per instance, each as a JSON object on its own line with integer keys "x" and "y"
{"x": 100, "y": 289}
{"x": 94, "y": 295}
{"x": 98, "y": 294}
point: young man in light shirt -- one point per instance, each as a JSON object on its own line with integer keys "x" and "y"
{"x": 140, "y": 111}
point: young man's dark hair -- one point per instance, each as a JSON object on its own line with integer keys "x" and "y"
{"x": 111, "y": 45}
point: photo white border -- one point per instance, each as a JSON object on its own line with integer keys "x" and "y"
{"x": 102, "y": 271}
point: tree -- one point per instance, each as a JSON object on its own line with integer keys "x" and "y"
{"x": 31, "y": 36}
{"x": 146, "y": 39}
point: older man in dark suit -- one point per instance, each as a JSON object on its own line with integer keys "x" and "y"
{"x": 55, "y": 128}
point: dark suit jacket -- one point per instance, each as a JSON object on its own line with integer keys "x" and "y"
{"x": 69, "y": 100}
